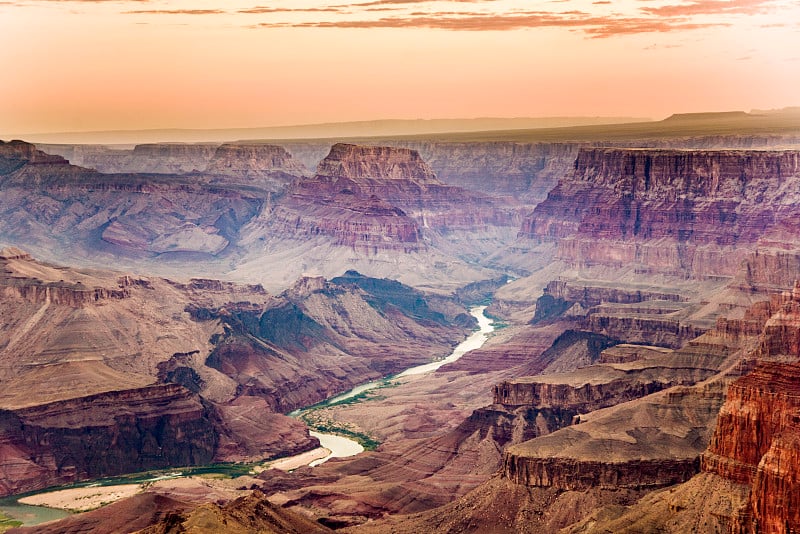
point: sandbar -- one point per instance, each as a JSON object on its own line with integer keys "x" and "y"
{"x": 83, "y": 499}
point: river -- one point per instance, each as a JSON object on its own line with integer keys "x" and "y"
{"x": 339, "y": 446}
{"x": 342, "y": 447}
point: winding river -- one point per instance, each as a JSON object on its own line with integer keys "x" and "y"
{"x": 342, "y": 447}
{"x": 339, "y": 446}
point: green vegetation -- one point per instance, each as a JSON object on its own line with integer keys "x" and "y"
{"x": 7, "y": 522}
{"x": 369, "y": 443}
{"x": 314, "y": 420}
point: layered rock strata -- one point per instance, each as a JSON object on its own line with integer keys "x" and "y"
{"x": 379, "y": 198}
{"x": 695, "y": 213}
{"x": 58, "y": 207}
{"x": 104, "y": 434}
{"x": 756, "y": 445}
{"x": 670, "y": 429}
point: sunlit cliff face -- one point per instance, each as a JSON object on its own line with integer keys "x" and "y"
{"x": 83, "y": 65}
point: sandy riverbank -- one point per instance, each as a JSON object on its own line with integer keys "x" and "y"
{"x": 293, "y": 462}
{"x": 83, "y": 499}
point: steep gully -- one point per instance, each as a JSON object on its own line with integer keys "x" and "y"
{"x": 342, "y": 447}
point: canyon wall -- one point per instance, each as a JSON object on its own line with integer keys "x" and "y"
{"x": 104, "y": 434}
{"x": 755, "y": 444}
{"x": 695, "y": 213}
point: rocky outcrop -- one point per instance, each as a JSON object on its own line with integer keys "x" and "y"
{"x": 589, "y": 294}
{"x": 366, "y": 225}
{"x": 375, "y": 199}
{"x": 69, "y": 210}
{"x": 570, "y": 474}
{"x": 755, "y": 444}
{"x": 668, "y": 211}
{"x": 270, "y": 167}
{"x": 601, "y": 453}
{"x": 105, "y": 434}
{"x": 649, "y": 330}
{"x": 36, "y": 291}
{"x": 774, "y": 500}
{"x": 596, "y": 387}
{"x": 375, "y": 168}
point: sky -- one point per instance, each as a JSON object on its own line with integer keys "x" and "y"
{"x": 83, "y": 65}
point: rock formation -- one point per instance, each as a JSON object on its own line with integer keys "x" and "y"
{"x": 668, "y": 211}
{"x": 132, "y": 373}
{"x": 266, "y": 166}
{"x": 379, "y": 198}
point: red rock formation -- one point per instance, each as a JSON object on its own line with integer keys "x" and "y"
{"x": 670, "y": 428}
{"x": 595, "y": 387}
{"x": 379, "y": 198}
{"x": 375, "y": 167}
{"x": 775, "y": 495}
{"x": 589, "y": 294}
{"x": 694, "y": 212}
{"x": 572, "y": 474}
{"x": 71, "y": 211}
{"x": 755, "y": 426}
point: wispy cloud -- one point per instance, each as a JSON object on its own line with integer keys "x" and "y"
{"x": 711, "y": 7}
{"x": 175, "y": 12}
{"x": 594, "y": 26}
{"x": 260, "y": 10}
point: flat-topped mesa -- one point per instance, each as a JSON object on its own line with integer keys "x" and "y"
{"x": 670, "y": 211}
{"x": 256, "y": 161}
{"x": 602, "y": 385}
{"x": 364, "y": 164}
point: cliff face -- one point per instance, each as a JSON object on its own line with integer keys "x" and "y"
{"x": 105, "y": 434}
{"x": 600, "y": 454}
{"x": 755, "y": 444}
{"x": 687, "y": 212}
{"x": 373, "y": 167}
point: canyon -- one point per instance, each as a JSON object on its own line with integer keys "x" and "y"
{"x": 643, "y": 376}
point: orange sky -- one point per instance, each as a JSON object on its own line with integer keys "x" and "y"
{"x": 129, "y": 64}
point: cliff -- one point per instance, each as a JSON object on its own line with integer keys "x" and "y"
{"x": 669, "y": 211}
{"x": 599, "y": 386}
{"x": 755, "y": 443}
{"x": 375, "y": 199}
{"x": 671, "y": 430}
{"x": 105, "y": 434}
{"x": 375, "y": 166}
{"x": 66, "y": 210}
